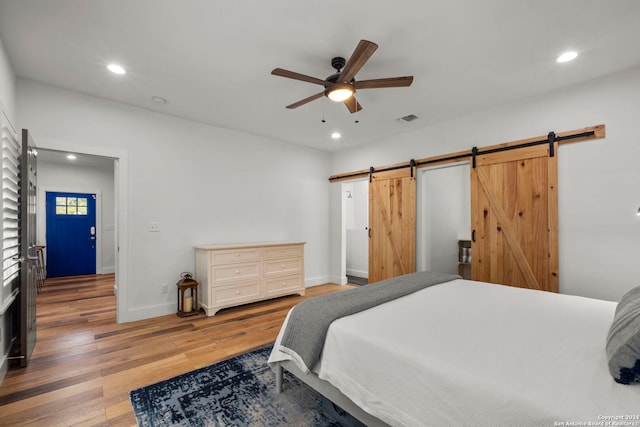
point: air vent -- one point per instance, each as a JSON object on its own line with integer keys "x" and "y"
{"x": 407, "y": 118}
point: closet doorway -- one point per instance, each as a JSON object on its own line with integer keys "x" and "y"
{"x": 355, "y": 197}
{"x": 379, "y": 216}
{"x": 444, "y": 216}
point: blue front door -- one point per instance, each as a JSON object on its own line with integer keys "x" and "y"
{"x": 71, "y": 234}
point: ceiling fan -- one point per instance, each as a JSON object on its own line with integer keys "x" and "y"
{"x": 341, "y": 86}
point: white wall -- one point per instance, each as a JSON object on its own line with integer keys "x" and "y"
{"x": 203, "y": 184}
{"x": 7, "y": 85}
{"x": 97, "y": 179}
{"x": 598, "y": 180}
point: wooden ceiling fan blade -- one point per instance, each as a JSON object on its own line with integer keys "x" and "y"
{"x": 352, "y": 104}
{"x": 358, "y": 58}
{"x": 388, "y": 82}
{"x": 297, "y": 76}
{"x": 306, "y": 100}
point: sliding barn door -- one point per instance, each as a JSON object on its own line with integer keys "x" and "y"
{"x": 392, "y": 224}
{"x": 514, "y": 218}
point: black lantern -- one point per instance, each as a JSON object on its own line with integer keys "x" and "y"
{"x": 187, "y": 303}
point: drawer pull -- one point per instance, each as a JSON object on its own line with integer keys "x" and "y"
{"x": 237, "y": 271}
{"x": 237, "y": 254}
{"x": 284, "y": 265}
{"x": 237, "y": 292}
{"x": 284, "y": 284}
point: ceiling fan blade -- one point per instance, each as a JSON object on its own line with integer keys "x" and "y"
{"x": 304, "y": 101}
{"x": 360, "y": 55}
{"x": 388, "y": 82}
{"x": 352, "y": 104}
{"x": 297, "y": 76}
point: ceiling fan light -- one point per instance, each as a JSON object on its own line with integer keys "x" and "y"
{"x": 340, "y": 93}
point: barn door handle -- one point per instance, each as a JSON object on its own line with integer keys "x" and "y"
{"x": 473, "y": 236}
{"x": 369, "y": 232}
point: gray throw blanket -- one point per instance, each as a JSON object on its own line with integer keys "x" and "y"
{"x": 309, "y": 320}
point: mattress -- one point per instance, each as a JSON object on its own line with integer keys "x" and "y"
{"x": 473, "y": 353}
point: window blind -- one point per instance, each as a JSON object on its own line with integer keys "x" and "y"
{"x": 10, "y": 201}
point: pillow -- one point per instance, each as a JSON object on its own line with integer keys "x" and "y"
{"x": 623, "y": 340}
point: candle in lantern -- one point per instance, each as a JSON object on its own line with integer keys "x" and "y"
{"x": 188, "y": 304}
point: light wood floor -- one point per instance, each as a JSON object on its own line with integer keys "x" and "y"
{"x": 84, "y": 363}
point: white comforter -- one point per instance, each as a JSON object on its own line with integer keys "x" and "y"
{"x": 467, "y": 353}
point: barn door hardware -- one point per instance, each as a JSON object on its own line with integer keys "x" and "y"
{"x": 594, "y": 132}
{"x": 552, "y": 140}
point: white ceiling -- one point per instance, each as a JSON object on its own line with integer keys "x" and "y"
{"x": 81, "y": 160}
{"x": 212, "y": 59}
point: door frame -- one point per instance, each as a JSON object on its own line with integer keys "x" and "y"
{"x": 42, "y": 219}
{"x": 343, "y": 188}
{"x": 121, "y": 217}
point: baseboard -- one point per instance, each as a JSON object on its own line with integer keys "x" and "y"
{"x": 340, "y": 280}
{"x": 170, "y": 308}
{"x": 315, "y": 281}
{"x": 150, "y": 312}
{"x": 357, "y": 273}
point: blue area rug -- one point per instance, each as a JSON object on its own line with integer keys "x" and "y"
{"x": 236, "y": 392}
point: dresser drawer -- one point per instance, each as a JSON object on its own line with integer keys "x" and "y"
{"x": 235, "y": 293}
{"x": 223, "y": 274}
{"x": 235, "y": 255}
{"x": 283, "y": 251}
{"x": 284, "y": 266}
{"x": 284, "y": 284}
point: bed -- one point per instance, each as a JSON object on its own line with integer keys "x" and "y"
{"x": 461, "y": 352}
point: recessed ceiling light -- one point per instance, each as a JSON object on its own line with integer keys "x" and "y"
{"x": 71, "y": 156}
{"x": 158, "y": 100}
{"x": 116, "y": 69}
{"x": 567, "y": 56}
{"x": 336, "y": 135}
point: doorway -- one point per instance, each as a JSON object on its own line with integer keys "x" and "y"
{"x": 103, "y": 168}
{"x": 356, "y": 226}
{"x": 444, "y": 216}
{"x": 71, "y": 235}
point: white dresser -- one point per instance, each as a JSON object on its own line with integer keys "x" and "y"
{"x": 231, "y": 275}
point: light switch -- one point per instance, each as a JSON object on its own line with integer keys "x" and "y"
{"x": 154, "y": 227}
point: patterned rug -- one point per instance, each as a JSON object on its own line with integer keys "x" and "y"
{"x": 236, "y": 392}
